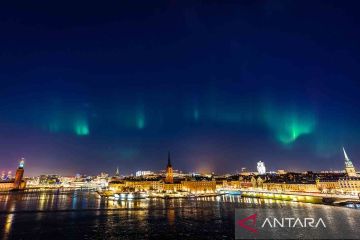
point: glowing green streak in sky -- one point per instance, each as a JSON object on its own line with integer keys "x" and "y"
{"x": 81, "y": 128}
{"x": 196, "y": 114}
{"x": 288, "y": 127}
{"x": 294, "y": 128}
{"x": 140, "y": 120}
{"x": 54, "y": 127}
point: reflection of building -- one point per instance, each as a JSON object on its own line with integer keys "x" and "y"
{"x": 349, "y": 167}
{"x": 261, "y": 168}
{"x": 15, "y": 184}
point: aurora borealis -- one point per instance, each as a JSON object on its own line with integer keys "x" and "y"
{"x": 220, "y": 85}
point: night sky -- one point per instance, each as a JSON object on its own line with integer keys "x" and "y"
{"x": 221, "y": 84}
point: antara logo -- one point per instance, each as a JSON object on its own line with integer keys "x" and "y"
{"x": 281, "y": 222}
{"x": 293, "y": 222}
{"x": 243, "y": 225}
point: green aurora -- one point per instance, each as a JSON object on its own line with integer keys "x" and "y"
{"x": 81, "y": 127}
{"x": 289, "y": 126}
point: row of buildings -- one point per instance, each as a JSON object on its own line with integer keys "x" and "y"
{"x": 347, "y": 182}
{"x": 169, "y": 184}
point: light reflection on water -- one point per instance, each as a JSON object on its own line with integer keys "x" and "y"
{"x": 59, "y": 215}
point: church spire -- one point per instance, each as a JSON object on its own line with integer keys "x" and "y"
{"x": 345, "y": 155}
{"x": 347, "y": 159}
{"x": 349, "y": 167}
{"x": 169, "y": 171}
{"x": 169, "y": 161}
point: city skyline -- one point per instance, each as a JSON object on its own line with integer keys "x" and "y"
{"x": 222, "y": 86}
{"x": 255, "y": 168}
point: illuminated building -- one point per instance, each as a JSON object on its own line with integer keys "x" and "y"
{"x": 143, "y": 173}
{"x": 160, "y": 186}
{"x": 261, "y": 168}
{"x": 349, "y": 167}
{"x": 350, "y": 185}
{"x": 15, "y": 184}
{"x": 290, "y": 187}
{"x": 19, "y": 175}
{"x": 169, "y": 172}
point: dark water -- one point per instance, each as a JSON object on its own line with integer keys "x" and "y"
{"x": 84, "y": 215}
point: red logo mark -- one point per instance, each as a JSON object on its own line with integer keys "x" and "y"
{"x": 247, "y": 227}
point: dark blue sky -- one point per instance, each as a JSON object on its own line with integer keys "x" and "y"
{"x": 87, "y": 87}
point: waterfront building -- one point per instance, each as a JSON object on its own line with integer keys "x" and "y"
{"x": 6, "y": 185}
{"x": 17, "y": 183}
{"x": 198, "y": 186}
{"x": 327, "y": 185}
{"x": 290, "y": 187}
{"x": 160, "y": 186}
{"x": 349, "y": 185}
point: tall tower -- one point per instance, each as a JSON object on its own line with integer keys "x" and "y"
{"x": 169, "y": 171}
{"x": 117, "y": 174}
{"x": 261, "y": 168}
{"x": 19, "y": 174}
{"x": 349, "y": 167}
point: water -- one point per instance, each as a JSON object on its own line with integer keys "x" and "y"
{"x": 84, "y": 215}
